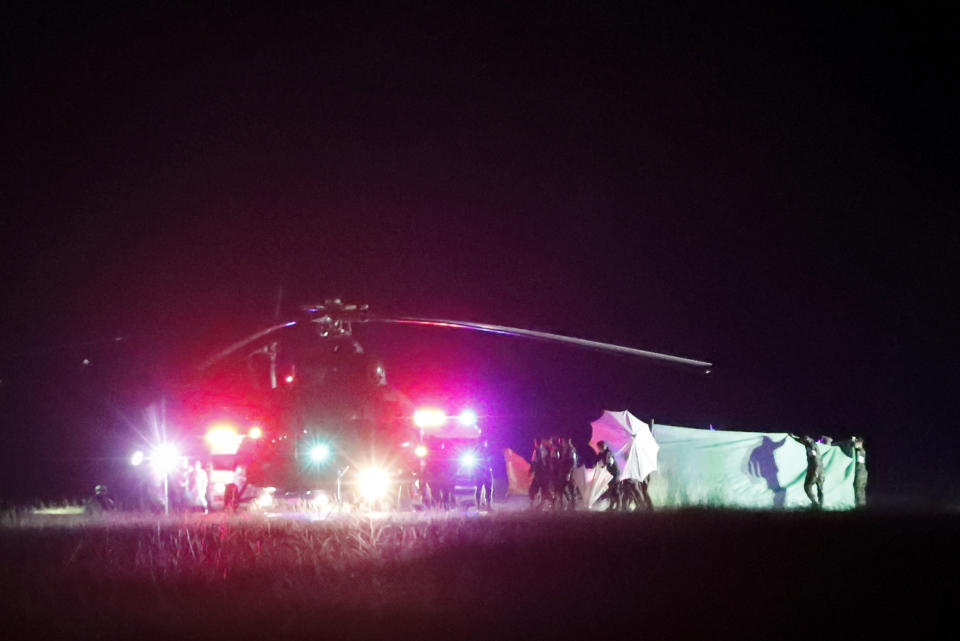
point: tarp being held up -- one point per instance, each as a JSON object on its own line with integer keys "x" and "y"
{"x": 743, "y": 469}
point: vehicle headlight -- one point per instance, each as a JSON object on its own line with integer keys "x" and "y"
{"x": 373, "y": 483}
{"x": 468, "y": 460}
{"x": 319, "y": 453}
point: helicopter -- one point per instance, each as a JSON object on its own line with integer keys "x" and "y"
{"x": 300, "y": 410}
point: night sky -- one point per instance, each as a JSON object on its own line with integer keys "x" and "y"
{"x": 771, "y": 188}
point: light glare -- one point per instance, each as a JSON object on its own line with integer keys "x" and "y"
{"x": 468, "y": 417}
{"x": 373, "y": 483}
{"x": 137, "y": 458}
{"x": 319, "y": 453}
{"x": 165, "y": 457}
{"x": 429, "y": 417}
{"x": 223, "y": 439}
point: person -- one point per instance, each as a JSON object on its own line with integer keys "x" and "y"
{"x": 554, "y": 473}
{"x": 608, "y": 460}
{"x": 569, "y": 460}
{"x": 540, "y": 470}
{"x": 483, "y": 477}
{"x": 197, "y": 484}
{"x": 438, "y": 475}
{"x": 634, "y": 492}
{"x": 101, "y": 501}
{"x": 814, "y": 478}
{"x": 859, "y": 472}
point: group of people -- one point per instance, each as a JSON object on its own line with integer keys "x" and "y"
{"x": 813, "y": 481}
{"x": 551, "y": 466}
{"x": 449, "y": 463}
{"x": 189, "y": 486}
{"x": 622, "y": 494}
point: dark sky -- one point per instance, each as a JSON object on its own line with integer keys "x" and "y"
{"x": 771, "y": 188}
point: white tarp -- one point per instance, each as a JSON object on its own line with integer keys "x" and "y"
{"x": 715, "y": 468}
{"x": 743, "y": 469}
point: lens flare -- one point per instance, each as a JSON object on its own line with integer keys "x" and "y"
{"x": 319, "y": 452}
{"x": 223, "y": 439}
{"x": 165, "y": 457}
{"x": 428, "y": 417}
{"x": 420, "y": 451}
{"x": 373, "y": 483}
{"x": 467, "y": 417}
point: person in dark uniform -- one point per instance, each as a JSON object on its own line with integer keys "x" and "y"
{"x": 569, "y": 460}
{"x": 540, "y": 469}
{"x": 814, "y": 478}
{"x": 437, "y": 475}
{"x": 859, "y": 472}
{"x": 483, "y": 477}
{"x": 609, "y": 461}
{"x": 554, "y": 473}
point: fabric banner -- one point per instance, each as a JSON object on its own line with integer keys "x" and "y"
{"x": 518, "y": 472}
{"x": 743, "y": 469}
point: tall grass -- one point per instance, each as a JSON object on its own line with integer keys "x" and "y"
{"x": 247, "y": 576}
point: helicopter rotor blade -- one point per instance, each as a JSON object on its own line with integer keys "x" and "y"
{"x": 545, "y": 336}
{"x": 246, "y": 341}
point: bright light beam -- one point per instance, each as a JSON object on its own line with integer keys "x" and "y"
{"x": 373, "y": 483}
{"x": 428, "y": 417}
{"x": 468, "y": 460}
{"x": 467, "y": 417}
{"x": 319, "y": 453}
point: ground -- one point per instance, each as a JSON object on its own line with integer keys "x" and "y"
{"x": 669, "y": 574}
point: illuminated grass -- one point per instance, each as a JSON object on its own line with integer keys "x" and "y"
{"x": 247, "y": 576}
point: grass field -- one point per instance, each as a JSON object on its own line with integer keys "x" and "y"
{"x": 671, "y": 574}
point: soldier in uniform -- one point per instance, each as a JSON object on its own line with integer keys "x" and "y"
{"x": 540, "y": 469}
{"x": 568, "y": 462}
{"x": 553, "y": 473}
{"x": 859, "y": 472}
{"x": 609, "y": 461}
{"x": 814, "y": 476}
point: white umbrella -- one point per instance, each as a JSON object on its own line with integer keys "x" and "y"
{"x": 630, "y": 439}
